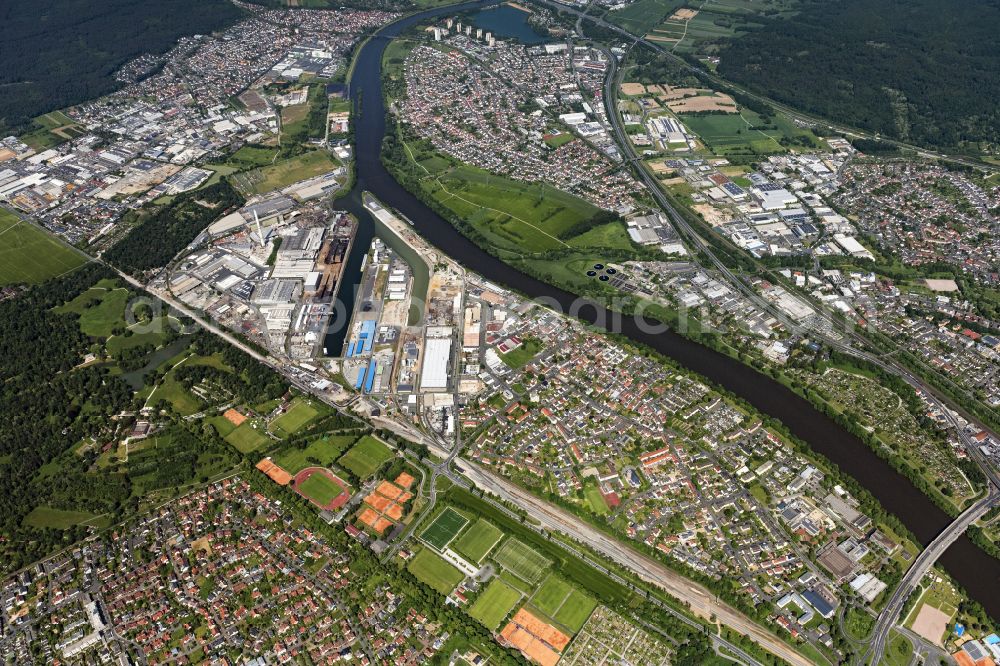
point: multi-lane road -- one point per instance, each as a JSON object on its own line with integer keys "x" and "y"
{"x": 924, "y": 561}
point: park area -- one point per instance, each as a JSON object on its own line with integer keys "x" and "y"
{"x": 29, "y": 255}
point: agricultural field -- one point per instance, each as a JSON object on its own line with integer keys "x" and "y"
{"x": 51, "y": 129}
{"x": 444, "y": 528}
{"x": 701, "y": 27}
{"x": 430, "y": 568}
{"x": 641, "y": 15}
{"x": 494, "y": 604}
{"x": 477, "y": 541}
{"x": 29, "y": 254}
{"x": 300, "y": 413}
{"x": 366, "y": 457}
{"x": 522, "y": 560}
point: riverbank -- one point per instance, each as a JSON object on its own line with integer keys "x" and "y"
{"x": 972, "y": 567}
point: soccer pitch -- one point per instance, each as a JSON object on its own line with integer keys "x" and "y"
{"x": 522, "y": 561}
{"x": 478, "y": 540}
{"x": 495, "y": 604}
{"x": 444, "y": 528}
{"x": 30, "y": 255}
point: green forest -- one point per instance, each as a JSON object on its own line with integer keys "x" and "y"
{"x": 921, "y": 71}
{"x": 55, "y": 53}
{"x": 158, "y": 233}
{"x": 61, "y": 471}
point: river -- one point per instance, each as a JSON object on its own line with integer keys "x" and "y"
{"x": 976, "y": 571}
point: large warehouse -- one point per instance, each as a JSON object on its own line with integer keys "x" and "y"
{"x": 437, "y": 355}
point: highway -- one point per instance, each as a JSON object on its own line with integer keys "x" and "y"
{"x": 841, "y": 343}
{"x": 924, "y": 561}
{"x": 793, "y": 113}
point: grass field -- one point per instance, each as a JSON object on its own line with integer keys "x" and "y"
{"x": 444, "y": 528}
{"x": 320, "y": 489}
{"x": 519, "y": 357}
{"x": 898, "y": 651}
{"x": 430, "y": 568}
{"x": 299, "y": 414}
{"x": 325, "y": 449}
{"x": 222, "y": 425}
{"x": 101, "y": 308}
{"x": 149, "y": 333}
{"x": 596, "y": 499}
{"x": 726, "y": 133}
{"x": 246, "y": 438}
{"x": 745, "y": 132}
{"x": 563, "y": 603}
{"x": 550, "y": 596}
{"x": 51, "y": 129}
{"x": 522, "y": 560}
{"x": 520, "y": 216}
{"x": 611, "y": 235}
{"x": 642, "y": 15}
{"x": 494, "y": 604}
{"x": 512, "y": 215}
{"x": 182, "y": 401}
{"x": 284, "y": 173}
{"x": 294, "y": 113}
{"x": 43, "y": 516}
{"x": 575, "y": 610}
{"x": 365, "y": 457}
{"x": 29, "y": 254}
{"x": 559, "y": 139}
{"x": 939, "y": 594}
{"x": 477, "y": 541}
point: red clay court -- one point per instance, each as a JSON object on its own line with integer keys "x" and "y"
{"x": 322, "y": 487}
